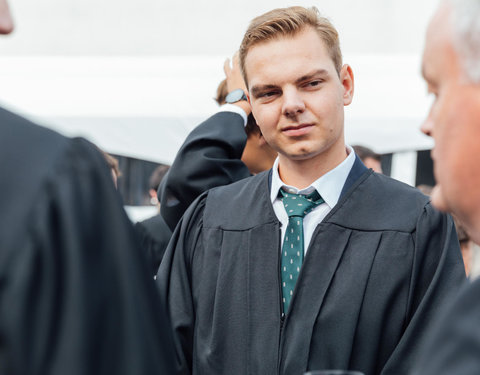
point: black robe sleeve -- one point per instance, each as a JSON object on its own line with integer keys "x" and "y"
{"x": 76, "y": 296}
{"x": 174, "y": 280}
{"x": 209, "y": 157}
{"x": 453, "y": 346}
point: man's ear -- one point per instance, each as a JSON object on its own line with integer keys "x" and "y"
{"x": 347, "y": 80}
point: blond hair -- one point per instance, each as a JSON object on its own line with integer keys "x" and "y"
{"x": 287, "y": 22}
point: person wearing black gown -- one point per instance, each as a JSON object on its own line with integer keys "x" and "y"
{"x": 75, "y": 296}
{"x": 252, "y": 290}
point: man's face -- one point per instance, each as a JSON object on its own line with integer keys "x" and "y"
{"x": 453, "y": 122}
{"x": 297, "y": 97}
{"x": 6, "y": 23}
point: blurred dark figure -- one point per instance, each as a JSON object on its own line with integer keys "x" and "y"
{"x": 154, "y": 182}
{"x": 154, "y": 232}
{"x": 370, "y": 158}
{"x": 113, "y": 165}
{"x": 75, "y": 297}
{"x": 154, "y": 236}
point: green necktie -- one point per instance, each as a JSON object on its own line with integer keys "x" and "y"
{"x": 296, "y": 206}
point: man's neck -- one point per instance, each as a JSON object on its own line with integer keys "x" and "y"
{"x": 302, "y": 173}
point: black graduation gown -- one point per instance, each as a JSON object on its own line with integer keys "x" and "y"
{"x": 378, "y": 267}
{"x": 209, "y": 157}
{"x": 76, "y": 296}
{"x": 154, "y": 235}
{"x": 453, "y": 347}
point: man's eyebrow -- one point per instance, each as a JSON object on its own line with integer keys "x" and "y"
{"x": 316, "y": 73}
{"x": 255, "y": 90}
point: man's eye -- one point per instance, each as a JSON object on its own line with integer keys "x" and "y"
{"x": 314, "y": 83}
{"x": 268, "y": 94}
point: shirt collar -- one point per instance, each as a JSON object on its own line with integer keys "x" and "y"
{"x": 329, "y": 186}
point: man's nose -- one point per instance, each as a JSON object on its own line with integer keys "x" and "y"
{"x": 293, "y": 103}
{"x": 6, "y": 22}
{"x": 427, "y": 127}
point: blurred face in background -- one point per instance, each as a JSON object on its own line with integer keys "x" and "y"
{"x": 6, "y": 23}
{"x": 375, "y": 164}
{"x": 454, "y": 123}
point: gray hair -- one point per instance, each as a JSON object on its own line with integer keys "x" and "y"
{"x": 465, "y": 19}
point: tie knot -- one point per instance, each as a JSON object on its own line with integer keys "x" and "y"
{"x": 300, "y": 204}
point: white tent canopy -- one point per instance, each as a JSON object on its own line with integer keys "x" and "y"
{"x": 144, "y": 107}
{"x": 135, "y": 77}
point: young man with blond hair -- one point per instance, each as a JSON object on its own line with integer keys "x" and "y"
{"x": 318, "y": 263}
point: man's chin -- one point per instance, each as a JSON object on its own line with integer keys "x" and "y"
{"x": 438, "y": 199}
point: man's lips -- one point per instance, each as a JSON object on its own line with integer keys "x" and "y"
{"x": 297, "y": 130}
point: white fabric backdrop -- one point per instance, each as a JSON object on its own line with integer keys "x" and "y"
{"x": 135, "y": 77}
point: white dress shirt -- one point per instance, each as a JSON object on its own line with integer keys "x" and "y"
{"x": 329, "y": 186}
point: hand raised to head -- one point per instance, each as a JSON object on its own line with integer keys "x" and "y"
{"x": 234, "y": 78}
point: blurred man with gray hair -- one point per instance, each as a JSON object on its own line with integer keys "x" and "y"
{"x": 451, "y": 68}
